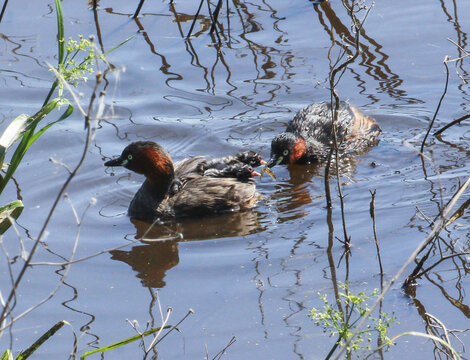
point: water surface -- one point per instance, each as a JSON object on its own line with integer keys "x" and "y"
{"x": 254, "y": 274}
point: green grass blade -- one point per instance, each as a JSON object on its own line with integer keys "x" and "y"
{"x": 14, "y": 130}
{"x": 60, "y": 31}
{"x": 15, "y": 161}
{"x": 119, "y": 45}
{"x": 51, "y": 91}
{"x": 3, "y": 150}
{"x": 123, "y": 342}
{"x": 23, "y": 123}
{"x": 13, "y": 210}
{"x": 64, "y": 116}
{"x": 7, "y": 355}
{"x": 12, "y": 133}
{"x": 29, "y": 351}
{"x": 29, "y": 136}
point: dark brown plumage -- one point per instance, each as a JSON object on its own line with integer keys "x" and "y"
{"x": 308, "y": 136}
{"x": 249, "y": 158}
{"x": 198, "y": 195}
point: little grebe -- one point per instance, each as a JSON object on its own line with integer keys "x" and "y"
{"x": 237, "y": 170}
{"x": 199, "y": 164}
{"x": 249, "y": 158}
{"x": 241, "y": 172}
{"x": 308, "y": 136}
{"x": 197, "y": 195}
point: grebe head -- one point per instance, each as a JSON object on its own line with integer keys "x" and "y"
{"x": 147, "y": 158}
{"x": 250, "y": 158}
{"x": 287, "y": 148}
{"x": 240, "y": 171}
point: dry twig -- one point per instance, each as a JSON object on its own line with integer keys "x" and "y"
{"x": 437, "y": 227}
{"x": 446, "y": 59}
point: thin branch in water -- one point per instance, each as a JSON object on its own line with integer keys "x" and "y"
{"x": 461, "y": 49}
{"x": 438, "y": 226}
{"x": 417, "y": 270}
{"x": 452, "y": 123}
{"x": 5, "y": 3}
{"x": 23, "y": 251}
{"x": 215, "y": 16}
{"x": 190, "y": 311}
{"x": 410, "y": 279}
{"x": 458, "y": 213}
{"x": 431, "y": 322}
{"x": 137, "y": 11}
{"x": 154, "y": 341}
{"x": 444, "y": 258}
{"x": 335, "y": 104}
{"x": 194, "y": 20}
{"x": 135, "y": 325}
{"x": 61, "y": 280}
{"x": 446, "y": 59}
{"x": 10, "y": 270}
{"x": 222, "y": 352}
{"x": 52, "y": 160}
{"x": 467, "y": 54}
{"x": 372, "y": 215}
{"x": 77, "y": 219}
{"x": 436, "y": 170}
{"x": 213, "y": 22}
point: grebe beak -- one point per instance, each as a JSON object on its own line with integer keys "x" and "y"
{"x": 116, "y": 162}
{"x": 255, "y": 173}
{"x": 275, "y": 160}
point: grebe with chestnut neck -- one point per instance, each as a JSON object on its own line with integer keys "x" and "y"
{"x": 230, "y": 188}
{"x": 309, "y": 135}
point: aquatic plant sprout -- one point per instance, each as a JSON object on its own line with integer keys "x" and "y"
{"x": 77, "y": 71}
{"x": 335, "y": 322}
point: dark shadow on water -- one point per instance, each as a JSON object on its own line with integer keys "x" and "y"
{"x": 150, "y": 261}
{"x": 292, "y": 196}
{"x": 305, "y": 184}
{"x": 159, "y": 253}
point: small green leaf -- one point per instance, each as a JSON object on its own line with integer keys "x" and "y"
{"x": 28, "y": 136}
{"x": 14, "y": 130}
{"x": 11, "y": 210}
{"x": 29, "y": 351}
{"x": 123, "y": 342}
{"x": 12, "y": 133}
{"x": 119, "y": 45}
{"x": 7, "y": 355}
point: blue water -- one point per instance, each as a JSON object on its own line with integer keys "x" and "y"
{"x": 256, "y": 274}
